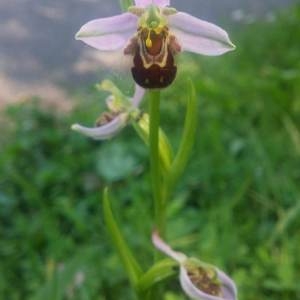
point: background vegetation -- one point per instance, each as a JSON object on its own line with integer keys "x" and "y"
{"x": 237, "y": 206}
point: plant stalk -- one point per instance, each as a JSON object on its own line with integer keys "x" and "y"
{"x": 156, "y": 179}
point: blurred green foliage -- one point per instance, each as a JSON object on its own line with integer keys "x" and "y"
{"x": 237, "y": 207}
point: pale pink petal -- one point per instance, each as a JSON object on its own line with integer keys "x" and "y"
{"x": 144, "y": 3}
{"x": 228, "y": 287}
{"x": 138, "y": 96}
{"x": 161, "y": 3}
{"x": 165, "y": 248}
{"x": 106, "y": 131}
{"x": 108, "y": 34}
{"x": 195, "y": 35}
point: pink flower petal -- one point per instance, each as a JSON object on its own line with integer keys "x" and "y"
{"x": 161, "y": 3}
{"x": 195, "y": 35}
{"x": 108, "y": 33}
{"x": 144, "y": 3}
{"x": 228, "y": 287}
{"x": 165, "y": 248}
{"x": 138, "y": 96}
{"x": 106, "y": 131}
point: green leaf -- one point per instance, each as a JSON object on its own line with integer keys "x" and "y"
{"x": 157, "y": 273}
{"x": 131, "y": 266}
{"x": 187, "y": 140}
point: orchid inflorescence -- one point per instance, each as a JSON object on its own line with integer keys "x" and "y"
{"x": 152, "y": 33}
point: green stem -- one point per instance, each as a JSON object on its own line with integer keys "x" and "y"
{"x": 156, "y": 180}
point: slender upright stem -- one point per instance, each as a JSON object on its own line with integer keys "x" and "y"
{"x": 159, "y": 209}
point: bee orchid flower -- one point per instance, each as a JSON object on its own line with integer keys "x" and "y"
{"x": 199, "y": 280}
{"x": 121, "y": 109}
{"x": 153, "y": 33}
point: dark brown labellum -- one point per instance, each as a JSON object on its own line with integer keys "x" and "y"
{"x": 154, "y": 77}
{"x": 153, "y": 53}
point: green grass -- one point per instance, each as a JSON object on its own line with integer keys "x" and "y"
{"x": 237, "y": 207}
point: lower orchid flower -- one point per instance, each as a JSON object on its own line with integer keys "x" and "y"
{"x": 198, "y": 279}
{"x": 153, "y": 33}
{"x": 121, "y": 109}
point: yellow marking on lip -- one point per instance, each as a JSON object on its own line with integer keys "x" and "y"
{"x": 148, "y": 40}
